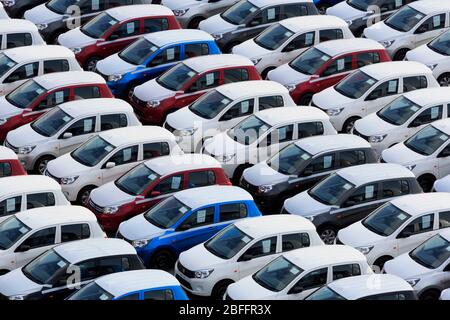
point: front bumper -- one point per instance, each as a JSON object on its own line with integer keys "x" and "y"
{"x": 198, "y": 287}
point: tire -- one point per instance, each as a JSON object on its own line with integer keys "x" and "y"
{"x": 162, "y": 259}
{"x": 431, "y": 294}
{"x": 41, "y": 164}
{"x": 305, "y": 100}
{"x": 444, "y": 80}
{"x": 426, "y": 182}
{"x": 349, "y": 124}
{"x": 381, "y": 261}
{"x": 266, "y": 72}
{"x": 327, "y": 233}
{"x": 91, "y": 64}
{"x": 400, "y": 54}
{"x": 238, "y": 173}
{"x": 220, "y": 288}
{"x": 193, "y": 24}
{"x": 83, "y": 195}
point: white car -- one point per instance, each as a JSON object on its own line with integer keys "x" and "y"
{"x": 223, "y": 108}
{"x": 27, "y": 234}
{"x": 370, "y": 88}
{"x": 296, "y": 274}
{"x": 427, "y": 267}
{"x": 403, "y": 117}
{"x": 106, "y": 157}
{"x": 286, "y": 39}
{"x": 413, "y": 25}
{"x": 20, "y": 64}
{"x": 65, "y": 127}
{"x": 263, "y": 134}
{"x": 3, "y": 14}
{"x": 426, "y": 153}
{"x": 442, "y": 185}
{"x": 398, "y": 226}
{"x": 242, "y": 249}
{"x": 17, "y": 33}
{"x": 21, "y": 193}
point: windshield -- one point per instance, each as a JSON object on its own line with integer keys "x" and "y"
{"x": 227, "y": 243}
{"x": 98, "y": 26}
{"x": 92, "y": 291}
{"x": 248, "y": 130}
{"x": 167, "y": 213}
{"x": 277, "y": 275}
{"x": 440, "y": 45}
{"x": 427, "y": 140}
{"x": 289, "y": 160}
{"x": 330, "y": 190}
{"x": 238, "y": 12}
{"x": 61, "y": 6}
{"x": 310, "y": 61}
{"x": 92, "y": 152}
{"x": 325, "y": 293}
{"x": 210, "y": 105}
{"x": 362, "y": 5}
{"x": 273, "y": 37}
{"x": 45, "y": 267}
{"x": 355, "y": 85}
{"x": 138, "y": 52}
{"x": 404, "y": 19}
{"x": 385, "y": 220}
{"x": 11, "y": 230}
{"x": 25, "y": 95}
{"x": 432, "y": 253}
{"x": 398, "y": 111}
{"x": 50, "y": 123}
{"x": 175, "y": 78}
{"x": 138, "y": 179}
{"x": 6, "y": 64}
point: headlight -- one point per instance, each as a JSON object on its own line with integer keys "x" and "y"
{"x": 432, "y": 66}
{"x": 256, "y": 61}
{"x": 291, "y": 87}
{"x": 180, "y": 12}
{"x": 9, "y": 3}
{"x": 3, "y": 121}
{"x": 139, "y": 243}
{"x": 186, "y": 132}
{"x": 153, "y": 103}
{"x": 411, "y": 167}
{"x": 217, "y": 36}
{"x": 42, "y": 26}
{"x": 413, "y": 282}
{"x": 265, "y": 188}
{"x": 76, "y": 50}
{"x": 110, "y": 210}
{"x": 334, "y": 112}
{"x": 18, "y": 297}
{"x": 387, "y": 44}
{"x": 377, "y": 138}
{"x": 225, "y": 158}
{"x": 202, "y": 274}
{"x": 69, "y": 180}
{"x": 349, "y": 22}
{"x": 25, "y": 149}
{"x": 365, "y": 250}
{"x": 115, "y": 77}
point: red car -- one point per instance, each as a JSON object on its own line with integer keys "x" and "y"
{"x": 10, "y": 164}
{"x": 38, "y": 95}
{"x": 151, "y": 182}
{"x": 186, "y": 82}
{"x": 326, "y": 64}
{"x": 114, "y": 29}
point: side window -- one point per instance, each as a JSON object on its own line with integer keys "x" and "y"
{"x": 309, "y": 129}
{"x": 314, "y": 279}
{"x": 10, "y": 206}
{"x": 109, "y": 265}
{"x": 159, "y": 295}
{"x": 196, "y": 50}
{"x": 201, "y": 179}
{"x": 346, "y": 270}
{"x": 232, "y": 211}
{"x": 169, "y": 185}
{"x": 54, "y": 99}
{"x": 127, "y": 29}
{"x": 42, "y": 238}
{"x": 390, "y": 5}
{"x": 302, "y": 41}
{"x": 86, "y": 92}
{"x": 235, "y": 75}
{"x": 351, "y": 158}
{"x": 433, "y": 23}
{"x": 200, "y": 218}
{"x": 113, "y": 121}
{"x": 24, "y": 72}
{"x": 414, "y": 83}
{"x": 279, "y": 135}
{"x": 240, "y": 109}
{"x": 363, "y": 194}
{"x": 445, "y": 152}
{"x": 267, "y": 16}
{"x": 395, "y": 188}
{"x": 444, "y": 219}
{"x": 322, "y": 163}
{"x": 167, "y": 56}
{"x": 156, "y": 149}
{"x": 367, "y": 58}
{"x": 124, "y": 156}
{"x": 270, "y": 102}
{"x": 83, "y": 126}
{"x": 387, "y": 88}
{"x": 427, "y": 116}
{"x": 5, "y": 169}
{"x": 88, "y": 270}
{"x": 330, "y": 34}
{"x": 154, "y": 25}
{"x": 56, "y": 66}
{"x": 293, "y": 10}
{"x": 295, "y": 241}
{"x": 262, "y": 248}
{"x": 92, "y": 6}
{"x": 14, "y": 40}
{"x": 74, "y": 232}
{"x": 209, "y": 80}
{"x": 421, "y": 224}
{"x": 338, "y": 66}
{"x": 37, "y": 200}
{"x": 132, "y": 297}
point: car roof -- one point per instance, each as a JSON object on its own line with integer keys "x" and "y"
{"x": 429, "y": 96}
{"x": 59, "y": 79}
{"x": 278, "y": 116}
{"x": 82, "y": 107}
{"x": 263, "y": 3}
{"x": 77, "y": 251}
{"x": 430, "y": 6}
{"x": 383, "y": 70}
{"x": 352, "y": 288}
{"x": 47, "y": 216}
{"x": 416, "y": 204}
{"x": 303, "y": 23}
{"x": 167, "y": 37}
{"x": 121, "y": 283}
{"x": 7, "y": 154}
{"x": 138, "y": 10}
{"x": 203, "y": 196}
{"x": 136, "y": 134}
{"x": 216, "y": 61}
{"x": 443, "y": 125}
{"x": 239, "y": 90}
{"x": 37, "y": 52}
{"x": 266, "y": 225}
{"x": 16, "y": 25}
{"x": 318, "y": 144}
{"x": 337, "y": 47}
{"x": 366, "y": 173}
{"x": 181, "y": 162}
{"x": 27, "y": 183}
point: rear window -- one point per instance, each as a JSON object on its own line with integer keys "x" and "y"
{"x": 195, "y": 50}
{"x": 235, "y": 75}
{"x": 15, "y": 40}
{"x": 75, "y": 232}
{"x": 113, "y": 121}
{"x": 56, "y": 66}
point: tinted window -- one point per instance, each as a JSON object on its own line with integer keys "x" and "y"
{"x": 133, "y": 296}
{"x": 302, "y": 41}
{"x": 86, "y": 92}
{"x": 363, "y": 194}
{"x": 10, "y": 206}
{"x": 331, "y": 34}
{"x": 107, "y": 265}
{"x": 346, "y": 270}
{"x": 56, "y": 66}
{"x": 235, "y": 75}
{"x": 395, "y": 188}
{"x": 167, "y": 56}
{"x": 200, "y": 218}
{"x": 313, "y": 279}
{"x": 201, "y": 179}
{"x": 42, "y": 238}
{"x": 433, "y": 23}
{"x": 24, "y": 72}
{"x": 444, "y": 219}
{"x": 322, "y": 163}
{"x": 153, "y": 25}
{"x": 158, "y": 295}
{"x": 126, "y": 30}
{"x": 295, "y": 241}
{"x": 156, "y": 149}
{"x": 83, "y": 126}
{"x": 308, "y": 129}
{"x": 195, "y": 50}
{"x": 338, "y": 66}
{"x": 233, "y": 211}
{"x": 421, "y": 224}
{"x": 209, "y": 80}
{"x": 266, "y": 16}
{"x": 364, "y": 59}
{"x": 75, "y": 232}
{"x": 414, "y": 83}
{"x": 270, "y": 102}
{"x": 113, "y": 121}
{"x": 294, "y": 10}
{"x": 279, "y": 135}
{"x": 14, "y": 40}
{"x": 5, "y": 169}
{"x": 124, "y": 156}
{"x": 168, "y": 185}
{"x": 37, "y": 200}
{"x": 263, "y": 247}
{"x": 385, "y": 89}
{"x": 427, "y": 116}
{"x": 54, "y": 98}
{"x": 240, "y": 109}
{"x": 351, "y": 158}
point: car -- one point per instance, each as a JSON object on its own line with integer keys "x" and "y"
{"x": 21, "y": 193}
{"x": 151, "y": 55}
{"x": 3, "y": 13}
{"x": 65, "y": 127}
{"x": 398, "y": 226}
{"x": 47, "y": 277}
{"x": 426, "y": 268}
{"x": 442, "y": 185}
{"x": 26, "y": 62}
{"x": 445, "y": 294}
{"x": 403, "y": 117}
{"x": 240, "y": 250}
{"x": 350, "y": 195}
{"x": 426, "y": 153}
{"x": 114, "y": 29}
{"x": 370, "y": 88}
{"x": 300, "y": 165}
{"x": 18, "y": 33}
{"x": 16, "y": 8}
{"x": 28, "y": 234}
{"x": 10, "y": 164}
{"x": 187, "y": 81}
{"x": 151, "y": 182}
{"x": 107, "y": 156}
{"x": 132, "y": 285}
{"x": 40, "y": 94}
{"x": 57, "y": 16}
{"x": 297, "y": 273}
{"x": 325, "y": 64}
{"x": 222, "y": 108}
{"x": 288, "y": 38}
{"x": 366, "y": 287}
{"x": 413, "y": 25}
{"x": 263, "y": 134}
{"x": 246, "y": 19}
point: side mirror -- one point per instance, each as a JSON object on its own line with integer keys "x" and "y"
{"x": 23, "y": 248}
{"x": 444, "y": 154}
{"x": 414, "y": 124}
{"x": 420, "y": 30}
{"x": 295, "y": 290}
{"x": 184, "y": 227}
{"x": 349, "y": 204}
{"x": 226, "y": 117}
{"x": 447, "y": 268}
{"x": 246, "y": 257}
{"x": 110, "y": 165}
{"x": 155, "y": 194}
{"x": 372, "y": 97}
{"x": 67, "y": 135}
{"x": 253, "y": 23}
{"x": 404, "y": 234}
{"x": 113, "y": 37}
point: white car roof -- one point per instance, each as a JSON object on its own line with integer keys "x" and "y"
{"x": 383, "y": 70}
{"x": 163, "y": 38}
{"x": 82, "y": 107}
{"x": 136, "y": 134}
{"x": 27, "y": 183}
{"x": 417, "y": 204}
{"x": 216, "y": 61}
{"x": 264, "y": 3}
{"x": 352, "y": 288}
{"x": 318, "y": 144}
{"x": 366, "y": 173}
{"x": 203, "y": 196}
{"x": 429, "y": 96}
{"x": 7, "y": 154}
{"x": 443, "y": 125}
{"x": 49, "y": 216}
{"x": 266, "y": 225}
{"x": 16, "y": 25}
{"x": 243, "y": 89}
{"x": 304, "y": 23}
{"x": 342, "y": 46}
{"x": 77, "y": 251}
{"x": 138, "y": 10}
{"x": 59, "y": 79}
{"x": 430, "y": 6}
{"x": 38, "y": 52}
{"x": 278, "y": 116}
{"x": 121, "y": 283}
{"x": 183, "y": 162}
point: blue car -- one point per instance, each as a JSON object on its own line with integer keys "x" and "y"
{"x": 151, "y": 55}
{"x": 183, "y": 220}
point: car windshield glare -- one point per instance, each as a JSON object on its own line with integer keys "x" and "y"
{"x": 273, "y": 37}
{"x": 97, "y": 27}
{"x": 310, "y": 61}
{"x": 325, "y": 293}
{"x": 385, "y": 220}
{"x": 91, "y": 291}
{"x": 92, "y": 151}
{"x": 237, "y": 13}
{"x": 330, "y": 190}
{"x": 210, "y": 105}
{"x": 175, "y": 78}
{"x": 6, "y": 64}
{"x": 137, "y": 180}
{"x": 398, "y": 111}
{"x": 167, "y": 213}
{"x": 289, "y": 160}
{"x": 51, "y": 122}
{"x": 227, "y": 243}
{"x": 404, "y": 19}
{"x": 427, "y": 140}
{"x": 355, "y": 85}
{"x": 45, "y": 268}
{"x": 362, "y": 5}
{"x": 432, "y": 253}
{"x": 138, "y": 52}
{"x": 11, "y": 230}
{"x": 61, "y": 6}
{"x": 25, "y": 95}
{"x": 248, "y": 130}
{"x": 277, "y": 275}
{"x": 440, "y": 45}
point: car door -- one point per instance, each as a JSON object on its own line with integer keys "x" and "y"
{"x": 423, "y": 118}
{"x": 18, "y": 39}
{"x": 122, "y": 35}
{"x": 163, "y": 60}
{"x": 40, "y": 199}
{"x": 76, "y": 133}
{"x": 47, "y": 102}
{"x": 443, "y": 161}
{"x": 124, "y": 159}
{"x": 263, "y": 19}
{"x": 296, "y": 46}
{"x": 35, "y": 244}
{"x": 19, "y": 76}
{"x": 236, "y": 113}
{"x": 198, "y": 87}
{"x": 162, "y": 190}
{"x": 9, "y": 206}
{"x": 335, "y": 71}
{"x": 308, "y": 283}
{"x": 257, "y": 255}
{"x": 383, "y": 93}
{"x": 430, "y": 28}
{"x": 274, "y": 141}
{"x": 415, "y": 232}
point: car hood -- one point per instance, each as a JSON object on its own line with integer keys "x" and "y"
{"x": 372, "y": 125}
{"x": 250, "y": 49}
{"x": 190, "y": 258}
{"x": 405, "y": 267}
{"x": 285, "y": 75}
{"x": 216, "y": 24}
{"x": 16, "y": 283}
{"x": 41, "y": 14}
{"x": 345, "y": 11}
{"x": 261, "y": 174}
{"x": 177, "y": 4}
{"x": 7, "y": 110}
{"x": 303, "y": 205}
{"x": 152, "y": 90}
{"x": 75, "y": 39}
{"x": 114, "y": 65}
{"x": 402, "y": 155}
{"x": 248, "y": 289}
{"x": 356, "y": 235}
{"x": 425, "y": 55}
{"x": 221, "y": 145}
{"x": 184, "y": 119}
{"x": 330, "y": 98}
{"x": 109, "y": 195}
{"x": 381, "y": 32}
{"x": 66, "y": 166}
{"x": 138, "y": 228}
{"x": 24, "y": 136}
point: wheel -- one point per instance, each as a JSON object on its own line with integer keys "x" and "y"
{"x": 41, "y": 164}
{"x": 327, "y": 234}
{"x": 400, "y": 54}
{"x": 163, "y": 259}
{"x": 193, "y": 24}
{"x": 381, "y": 261}
{"x": 426, "y": 182}
{"x": 431, "y": 294}
{"x": 444, "y": 80}
{"x": 349, "y": 124}
{"x": 266, "y": 72}
{"x": 91, "y": 64}
{"x": 305, "y": 99}
{"x": 83, "y": 195}
{"x": 238, "y": 173}
{"x": 220, "y": 288}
